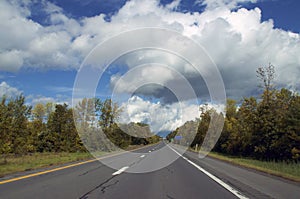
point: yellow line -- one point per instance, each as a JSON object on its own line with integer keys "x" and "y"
{"x": 64, "y": 167}
{"x": 44, "y": 172}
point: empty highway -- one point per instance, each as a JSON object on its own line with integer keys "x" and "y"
{"x": 186, "y": 177}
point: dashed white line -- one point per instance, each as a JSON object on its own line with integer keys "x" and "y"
{"x": 120, "y": 171}
{"x": 142, "y": 156}
{"x": 149, "y": 151}
{"x": 223, "y": 184}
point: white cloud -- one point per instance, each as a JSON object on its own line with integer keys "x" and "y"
{"x": 173, "y": 5}
{"x": 160, "y": 117}
{"x": 8, "y": 90}
{"x": 133, "y": 79}
{"x": 57, "y": 99}
{"x": 238, "y": 41}
{"x": 27, "y": 43}
{"x": 213, "y": 4}
{"x": 11, "y": 61}
{"x": 42, "y": 99}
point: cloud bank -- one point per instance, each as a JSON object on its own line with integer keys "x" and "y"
{"x": 236, "y": 39}
{"x": 160, "y": 117}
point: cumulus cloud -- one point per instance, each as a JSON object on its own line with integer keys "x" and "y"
{"x": 160, "y": 117}
{"x": 11, "y": 60}
{"x": 8, "y": 91}
{"x": 236, "y": 39}
{"x": 25, "y": 42}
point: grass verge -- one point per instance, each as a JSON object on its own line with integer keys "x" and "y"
{"x": 289, "y": 171}
{"x": 12, "y": 164}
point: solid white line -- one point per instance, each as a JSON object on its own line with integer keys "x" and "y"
{"x": 142, "y": 156}
{"x": 223, "y": 184}
{"x": 120, "y": 171}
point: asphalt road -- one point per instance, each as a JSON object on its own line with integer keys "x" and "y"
{"x": 186, "y": 177}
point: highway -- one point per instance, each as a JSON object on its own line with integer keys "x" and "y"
{"x": 186, "y": 177}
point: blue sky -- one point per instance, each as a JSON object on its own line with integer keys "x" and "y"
{"x": 284, "y": 13}
{"x": 43, "y": 44}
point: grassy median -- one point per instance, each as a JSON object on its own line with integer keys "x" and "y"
{"x": 12, "y": 163}
{"x": 286, "y": 170}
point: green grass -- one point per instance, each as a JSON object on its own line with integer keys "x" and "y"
{"x": 290, "y": 171}
{"x": 14, "y": 163}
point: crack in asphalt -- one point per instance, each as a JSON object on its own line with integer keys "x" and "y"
{"x": 136, "y": 162}
{"x": 85, "y": 196}
{"x": 170, "y": 170}
{"x": 109, "y": 185}
{"x": 88, "y": 171}
{"x": 168, "y": 196}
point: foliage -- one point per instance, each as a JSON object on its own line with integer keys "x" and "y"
{"x": 264, "y": 129}
{"x": 282, "y": 169}
{"x": 16, "y": 163}
{"x": 51, "y": 127}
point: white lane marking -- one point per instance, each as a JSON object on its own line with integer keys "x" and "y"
{"x": 120, "y": 171}
{"x": 149, "y": 151}
{"x": 223, "y": 184}
{"x": 142, "y": 156}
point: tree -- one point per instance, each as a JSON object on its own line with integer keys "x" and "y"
{"x": 286, "y": 137}
{"x": 172, "y": 134}
{"x": 262, "y": 137}
{"x": 230, "y": 139}
{"x": 15, "y": 135}
{"x": 109, "y": 112}
{"x": 61, "y": 133}
{"x": 203, "y": 125}
{"x": 84, "y": 114}
{"x": 39, "y": 112}
{"x": 231, "y": 109}
{"x": 248, "y": 125}
{"x": 49, "y": 108}
{"x": 266, "y": 75}
{"x": 5, "y": 127}
{"x": 293, "y": 121}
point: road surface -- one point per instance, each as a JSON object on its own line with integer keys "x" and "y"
{"x": 186, "y": 177}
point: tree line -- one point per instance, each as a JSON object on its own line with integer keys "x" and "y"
{"x": 266, "y": 129}
{"x": 51, "y": 127}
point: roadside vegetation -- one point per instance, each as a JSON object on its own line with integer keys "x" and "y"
{"x": 262, "y": 133}
{"x": 43, "y": 135}
{"x": 282, "y": 169}
{"x": 13, "y": 163}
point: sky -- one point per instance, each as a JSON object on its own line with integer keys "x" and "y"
{"x": 44, "y": 44}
